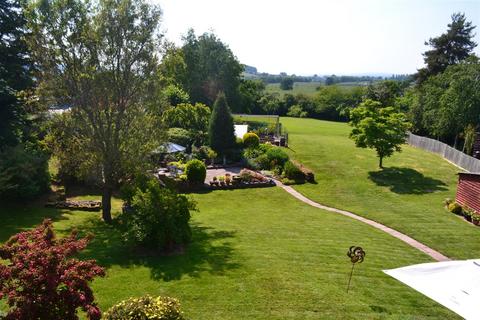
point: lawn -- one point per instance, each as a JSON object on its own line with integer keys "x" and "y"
{"x": 256, "y": 254}
{"x": 407, "y": 195}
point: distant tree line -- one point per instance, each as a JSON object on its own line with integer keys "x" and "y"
{"x": 333, "y": 79}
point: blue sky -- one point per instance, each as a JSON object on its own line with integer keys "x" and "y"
{"x": 308, "y": 37}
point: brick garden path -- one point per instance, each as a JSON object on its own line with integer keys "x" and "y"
{"x": 410, "y": 241}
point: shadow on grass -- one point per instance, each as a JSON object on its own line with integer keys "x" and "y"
{"x": 209, "y": 251}
{"x": 15, "y": 218}
{"x": 406, "y": 181}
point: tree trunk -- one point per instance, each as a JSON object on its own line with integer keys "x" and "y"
{"x": 380, "y": 164}
{"x": 224, "y": 160}
{"x": 107, "y": 204}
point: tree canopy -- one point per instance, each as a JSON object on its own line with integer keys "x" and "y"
{"x": 221, "y": 131}
{"x": 286, "y": 83}
{"x": 381, "y": 128}
{"x": 100, "y": 61}
{"x": 204, "y": 66}
{"x": 450, "y": 101}
{"x": 451, "y": 47}
{"x": 15, "y": 68}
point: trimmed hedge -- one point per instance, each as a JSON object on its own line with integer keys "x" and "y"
{"x": 251, "y": 140}
{"x": 196, "y": 171}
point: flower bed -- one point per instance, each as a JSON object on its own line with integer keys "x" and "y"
{"x": 246, "y": 179}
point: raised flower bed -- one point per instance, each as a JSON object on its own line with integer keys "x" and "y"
{"x": 246, "y": 179}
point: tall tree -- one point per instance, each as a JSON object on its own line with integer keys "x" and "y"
{"x": 100, "y": 60}
{"x": 15, "y": 67}
{"x": 385, "y": 92}
{"x": 451, "y": 100}
{"x": 221, "y": 131}
{"x": 211, "y": 67}
{"x": 286, "y": 83}
{"x": 380, "y": 128}
{"x": 449, "y": 48}
{"x": 251, "y": 91}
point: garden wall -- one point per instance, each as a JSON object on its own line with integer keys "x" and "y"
{"x": 459, "y": 158}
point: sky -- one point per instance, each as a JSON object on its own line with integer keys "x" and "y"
{"x": 306, "y": 37}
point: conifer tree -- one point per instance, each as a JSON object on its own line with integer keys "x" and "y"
{"x": 221, "y": 132}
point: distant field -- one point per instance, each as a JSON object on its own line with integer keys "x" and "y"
{"x": 309, "y": 88}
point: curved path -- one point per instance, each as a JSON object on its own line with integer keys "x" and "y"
{"x": 408, "y": 240}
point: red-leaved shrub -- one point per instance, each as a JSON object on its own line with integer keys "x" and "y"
{"x": 40, "y": 279}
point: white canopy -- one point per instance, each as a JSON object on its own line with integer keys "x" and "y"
{"x": 170, "y": 147}
{"x": 454, "y": 284}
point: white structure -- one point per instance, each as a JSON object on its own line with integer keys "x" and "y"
{"x": 240, "y": 130}
{"x": 454, "y": 284}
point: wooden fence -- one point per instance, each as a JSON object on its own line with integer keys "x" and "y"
{"x": 459, "y": 158}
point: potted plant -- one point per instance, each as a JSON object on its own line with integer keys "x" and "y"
{"x": 236, "y": 180}
{"x": 228, "y": 178}
{"x": 476, "y": 218}
{"x": 222, "y": 180}
{"x": 214, "y": 181}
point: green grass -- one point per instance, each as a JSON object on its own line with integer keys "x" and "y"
{"x": 407, "y": 195}
{"x": 256, "y": 254}
{"x": 261, "y": 254}
{"x": 308, "y": 88}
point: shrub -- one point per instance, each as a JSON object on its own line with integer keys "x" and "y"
{"x": 252, "y": 153}
{"x": 179, "y": 164}
{"x": 146, "y": 308}
{"x": 309, "y": 175}
{"x": 476, "y": 216}
{"x": 42, "y": 280}
{"x": 180, "y": 136}
{"x": 467, "y": 214}
{"x": 158, "y": 218}
{"x": 238, "y": 143}
{"x": 447, "y": 201}
{"x": 277, "y": 157}
{"x": 251, "y": 140}
{"x": 297, "y": 111}
{"x": 204, "y": 153}
{"x": 291, "y": 171}
{"x": 288, "y": 182}
{"x": 195, "y": 171}
{"x": 23, "y": 172}
{"x": 263, "y": 162}
{"x": 455, "y": 208}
